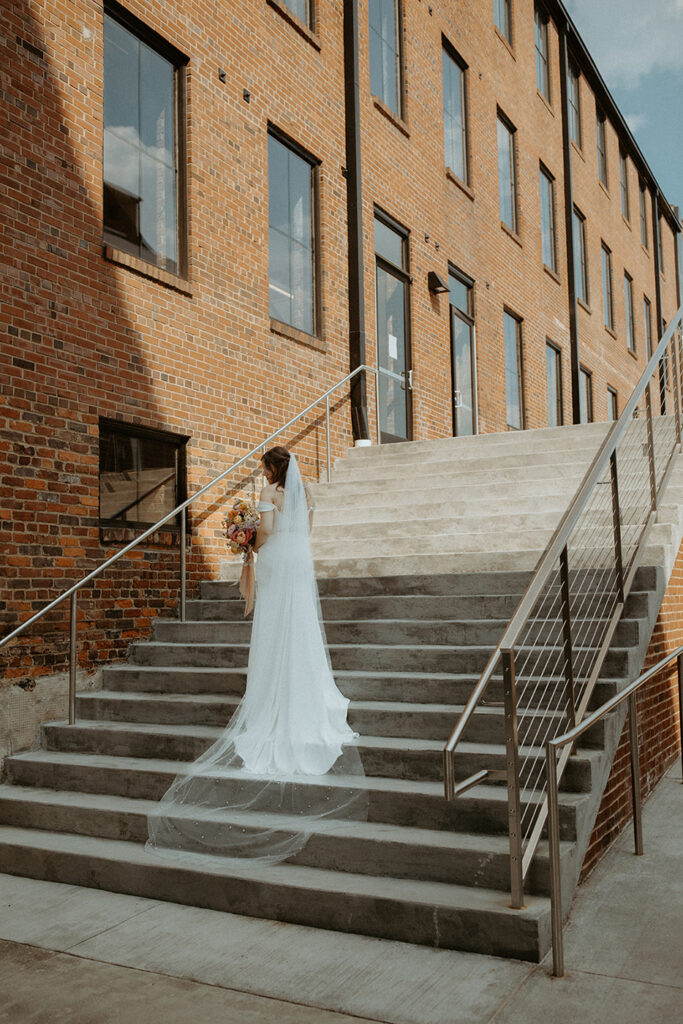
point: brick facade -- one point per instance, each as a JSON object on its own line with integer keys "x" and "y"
{"x": 659, "y": 728}
{"x": 83, "y": 336}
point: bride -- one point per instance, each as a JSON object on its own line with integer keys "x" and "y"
{"x": 287, "y": 764}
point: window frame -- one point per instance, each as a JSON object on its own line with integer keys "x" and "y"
{"x": 316, "y": 293}
{"x": 586, "y": 378}
{"x": 550, "y": 346}
{"x": 541, "y": 20}
{"x": 629, "y": 313}
{"x": 402, "y": 274}
{"x": 400, "y": 68}
{"x": 612, "y": 398}
{"x": 623, "y": 185}
{"x": 505, "y": 121}
{"x": 308, "y": 20}
{"x": 180, "y": 441}
{"x": 505, "y": 8}
{"x": 647, "y": 322}
{"x": 581, "y": 253}
{"x": 449, "y": 51}
{"x": 607, "y": 287}
{"x": 601, "y": 141}
{"x": 544, "y": 173}
{"x": 507, "y": 312}
{"x": 574, "y": 103}
{"x": 644, "y": 233}
{"x": 138, "y": 28}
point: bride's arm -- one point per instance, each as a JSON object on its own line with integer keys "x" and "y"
{"x": 267, "y": 522}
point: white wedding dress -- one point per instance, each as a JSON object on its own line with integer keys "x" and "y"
{"x": 287, "y": 765}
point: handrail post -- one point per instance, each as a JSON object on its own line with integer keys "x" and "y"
{"x": 567, "y": 636}
{"x": 554, "y": 857}
{"x": 73, "y": 658}
{"x": 377, "y": 415}
{"x": 327, "y": 432}
{"x": 675, "y": 368}
{"x": 512, "y": 766}
{"x": 616, "y": 526}
{"x": 680, "y": 704}
{"x": 635, "y": 773}
{"x": 651, "y": 449}
{"x": 183, "y": 566}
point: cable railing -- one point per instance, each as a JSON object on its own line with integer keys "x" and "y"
{"x": 179, "y": 511}
{"x": 559, "y": 638}
{"x": 565, "y": 742}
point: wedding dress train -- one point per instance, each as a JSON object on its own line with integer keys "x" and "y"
{"x": 287, "y": 764}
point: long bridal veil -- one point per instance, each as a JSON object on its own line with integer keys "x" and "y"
{"x": 287, "y": 768}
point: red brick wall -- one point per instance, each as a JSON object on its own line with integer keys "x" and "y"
{"x": 658, "y": 724}
{"x": 81, "y": 337}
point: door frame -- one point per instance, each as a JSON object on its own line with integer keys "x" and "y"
{"x": 469, "y": 319}
{"x": 403, "y": 275}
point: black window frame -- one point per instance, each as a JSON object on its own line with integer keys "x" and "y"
{"x": 179, "y": 441}
{"x": 586, "y": 375}
{"x": 448, "y": 50}
{"x": 552, "y": 219}
{"x": 612, "y": 398}
{"x": 541, "y": 22}
{"x": 629, "y": 311}
{"x": 507, "y": 312}
{"x": 180, "y": 61}
{"x": 601, "y": 142}
{"x": 574, "y": 103}
{"x": 644, "y": 232}
{"x": 400, "y": 66}
{"x": 505, "y": 30}
{"x": 581, "y": 254}
{"x": 607, "y": 287}
{"x": 623, "y": 185}
{"x": 314, "y": 162}
{"x": 559, "y": 396}
{"x": 308, "y": 20}
{"x": 503, "y": 119}
{"x": 647, "y": 323}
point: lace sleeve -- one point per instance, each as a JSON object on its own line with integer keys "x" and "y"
{"x": 266, "y": 506}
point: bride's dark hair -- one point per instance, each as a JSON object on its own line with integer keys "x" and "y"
{"x": 276, "y": 461}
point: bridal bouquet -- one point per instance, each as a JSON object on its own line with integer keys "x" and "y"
{"x": 241, "y": 523}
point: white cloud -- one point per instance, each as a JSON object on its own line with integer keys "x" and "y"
{"x": 636, "y": 121}
{"x": 628, "y": 38}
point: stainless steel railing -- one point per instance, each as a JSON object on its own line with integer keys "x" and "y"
{"x": 566, "y": 741}
{"x": 72, "y": 592}
{"x": 553, "y": 649}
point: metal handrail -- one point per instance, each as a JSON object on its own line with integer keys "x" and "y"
{"x": 72, "y": 591}
{"x": 557, "y": 549}
{"x": 567, "y": 740}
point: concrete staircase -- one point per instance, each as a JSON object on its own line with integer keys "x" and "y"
{"x": 408, "y": 633}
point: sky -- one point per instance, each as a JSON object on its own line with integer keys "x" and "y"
{"x": 638, "y": 47}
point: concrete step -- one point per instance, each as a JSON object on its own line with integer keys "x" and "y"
{"x": 365, "y": 656}
{"x": 422, "y": 473}
{"x": 396, "y": 801}
{"x": 419, "y": 687}
{"x": 359, "y": 847}
{"x": 423, "y": 912}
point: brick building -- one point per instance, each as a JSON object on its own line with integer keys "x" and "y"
{"x": 209, "y": 218}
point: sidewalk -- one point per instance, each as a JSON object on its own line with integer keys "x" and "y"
{"x": 70, "y": 955}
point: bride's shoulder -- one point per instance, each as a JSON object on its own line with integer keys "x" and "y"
{"x": 272, "y": 495}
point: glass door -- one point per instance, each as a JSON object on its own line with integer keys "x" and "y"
{"x": 393, "y": 347}
{"x": 463, "y": 357}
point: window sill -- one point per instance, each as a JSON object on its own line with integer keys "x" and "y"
{"x": 552, "y": 273}
{"x": 604, "y": 188}
{"x": 645, "y": 250}
{"x": 632, "y": 352}
{"x": 294, "y": 334}
{"x": 138, "y": 266}
{"x": 512, "y": 234}
{"x": 585, "y": 306}
{"x": 627, "y": 222}
{"x": 301, "y": 27}
{"x": 452, "y": 176}
{"x": 506, "y": 42}
{"x": 397, "y": 121}
{"x": 546, "y": 102}
{"x": 577, "y": 149}
{"x": 611, "y": 332}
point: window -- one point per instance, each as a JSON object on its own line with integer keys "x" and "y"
{"x": 660, "y": 245}
{"x": 548, "y": 232}
{"x": 291, "y": 243}
{"x": 142, "y": 474}
{"x": 612, "y": 404}
{"x": 463, "y": 354}
{"x": 502, "y": 15}
{"x": 392, "y": 289}
{"x": 143, "y": 184}
{"x": 385, "y": 53}
{"x": 302, "y": 9}
{"x": 514, "y": 397}
{"x": 542, "y": 52}
{"x": 455, "y": 115}
{"x": 630, "y": 324}
{"x": 647, "y": 322}
{"x": 643, "y": 215}
{"x": 602, "y": 146}
{"x": 507, "y": 183}
{"x": 607, "y": 299}
{"x": 623, "y": 185}
{"x": 553, "y": 363}
{"x": 574, "y": 92}
{"x": 580, "y": 258}
{"x": 585, "y": 395}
